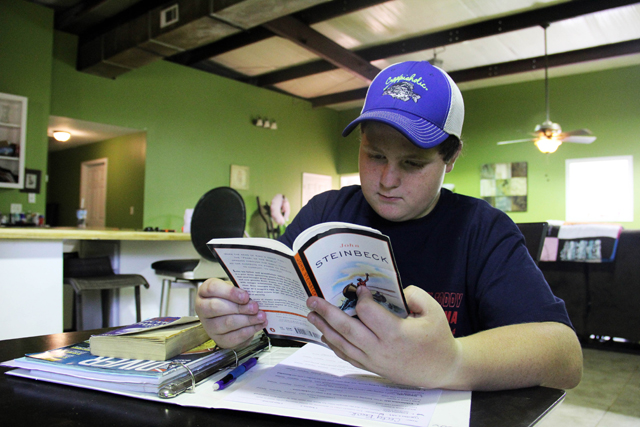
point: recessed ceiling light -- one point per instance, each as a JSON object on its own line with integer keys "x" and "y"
{"x": 60, "y": 135}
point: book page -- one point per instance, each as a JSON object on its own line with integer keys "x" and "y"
{"x": 313, "y": 231}
{"x": 259, "y": 242}
{"x": 314, "y": 383}
{"x": 272, "y": 281}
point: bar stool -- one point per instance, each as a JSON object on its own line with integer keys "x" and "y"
{"x": 219, "y": 213}
{"x": 96, "y": 273}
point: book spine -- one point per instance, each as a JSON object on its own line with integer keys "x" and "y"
{"x": 305, "y": 276}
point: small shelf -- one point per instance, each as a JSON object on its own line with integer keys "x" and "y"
{"x": 10, "y": 125}
{"x": 13, "y": 129}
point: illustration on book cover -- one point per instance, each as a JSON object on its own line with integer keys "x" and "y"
{"x": 361, "y": 261}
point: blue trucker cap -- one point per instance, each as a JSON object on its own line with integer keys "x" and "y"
{"x": 417, "y": 99}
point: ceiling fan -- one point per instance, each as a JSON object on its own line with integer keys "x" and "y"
{"x": 548, "y": 136}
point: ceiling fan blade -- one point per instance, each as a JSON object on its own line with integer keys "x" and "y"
{"x": 515, "y": 141}
{"x": 580, "y": 139}
{"x": 577, "y": 132}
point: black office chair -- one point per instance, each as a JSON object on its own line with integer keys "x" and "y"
{"x": 220, "y": 213}
{"x": 534, "y": 234}
{"x": 84, "y": 274}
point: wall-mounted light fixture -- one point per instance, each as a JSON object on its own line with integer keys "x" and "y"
{"x": 266, "y": 123}
{"x": 61, "y": 135}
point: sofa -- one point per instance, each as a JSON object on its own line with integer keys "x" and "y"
{"x": 603, "y": 299}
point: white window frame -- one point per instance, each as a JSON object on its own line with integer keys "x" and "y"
{"x": 599, "y": 189}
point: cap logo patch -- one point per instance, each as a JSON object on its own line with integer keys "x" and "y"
{"x": 402, "y": 91}
{"x": 401, "y": 87}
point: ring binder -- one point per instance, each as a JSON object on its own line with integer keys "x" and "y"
{"x": 229, "y": 359}
{"x": 191, "y": 389}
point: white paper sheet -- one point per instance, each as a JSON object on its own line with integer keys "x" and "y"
{"x": 313, "y": 383}
{"x": 452, "y": 409}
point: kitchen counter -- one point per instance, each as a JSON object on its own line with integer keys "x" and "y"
{"x": 31, "y": 275}
{"x": 72, "y": 233}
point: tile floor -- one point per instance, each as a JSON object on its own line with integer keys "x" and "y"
{"x": 608, "y": 396}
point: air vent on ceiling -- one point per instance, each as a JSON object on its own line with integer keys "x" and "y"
{"x": 169, "y": 16}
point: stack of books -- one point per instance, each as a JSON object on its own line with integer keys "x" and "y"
{"x": 76, "y": 365}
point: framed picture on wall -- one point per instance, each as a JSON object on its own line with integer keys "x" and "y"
{"x": 32, "y": 181}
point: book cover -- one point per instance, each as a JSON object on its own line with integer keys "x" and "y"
{"x": 329, "y": 260}
{"x": 159, "y": 338}
{"x": 77, "y": 360}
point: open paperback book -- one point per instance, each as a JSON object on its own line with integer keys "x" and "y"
{"x": 329, "y": 260}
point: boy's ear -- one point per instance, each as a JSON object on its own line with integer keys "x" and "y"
{"x": 451, "y": 163}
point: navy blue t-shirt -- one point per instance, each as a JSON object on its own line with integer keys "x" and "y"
{"x": 468, "y": 255}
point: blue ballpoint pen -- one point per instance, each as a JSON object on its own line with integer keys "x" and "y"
{"x": 231, "y": 376}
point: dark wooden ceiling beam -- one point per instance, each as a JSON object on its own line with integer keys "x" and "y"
{"x": 63, "y": 19}
{"x": 301, "y": 34}
{"x": 217, "y": 69}
{"x": 136, "y": 10}
{"x": 203, "y": 53}
{"x": 339, "y": 98}
{"x": 492, "y": 27}
{"x": 292, "y": 73}
{"x": 487, "y": 28}
{"x": 506, "y": 68}
{"x": 556, "y": 60}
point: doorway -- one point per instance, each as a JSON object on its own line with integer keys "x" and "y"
{"x": 93, "y": 191}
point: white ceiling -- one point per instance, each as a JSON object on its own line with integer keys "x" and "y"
{"x": 401, "y": 19}
{"x": 83, "y": 132}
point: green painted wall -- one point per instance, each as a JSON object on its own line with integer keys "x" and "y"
{"x": 125, "y": 180}
{"x": 197, "y": 126}
{"x": 606, "y": 102}
{"x": 26, "y": 27}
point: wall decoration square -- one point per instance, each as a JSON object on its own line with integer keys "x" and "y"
{"x": 504, "y": 186}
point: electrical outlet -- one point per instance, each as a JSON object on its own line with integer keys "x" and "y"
{"x": 131, "y": 210}
{"x": 239, "y": 177}
{"x": 16, "y": 207}
{"x": 32, "y": 197}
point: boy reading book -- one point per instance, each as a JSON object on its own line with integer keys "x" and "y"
{"x": 482, "y": 315}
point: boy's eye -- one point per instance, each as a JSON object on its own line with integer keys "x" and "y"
{"x": 413, "y": 164}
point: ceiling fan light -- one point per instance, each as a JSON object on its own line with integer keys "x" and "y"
{"x": 546, "y": 145}
{"x": 61, "y": 136}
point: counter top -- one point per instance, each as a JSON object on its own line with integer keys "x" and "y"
{"x": 71, "y": 233}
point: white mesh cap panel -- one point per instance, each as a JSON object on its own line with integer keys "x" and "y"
{"x": 453, "y": 125}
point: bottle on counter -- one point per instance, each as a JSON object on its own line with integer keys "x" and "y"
{"x": 81, "y": 215}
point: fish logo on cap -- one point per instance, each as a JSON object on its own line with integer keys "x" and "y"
{"x": 402, "y": 91}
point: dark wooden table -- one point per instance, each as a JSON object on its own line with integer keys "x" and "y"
{"x": 30, "y": 403}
